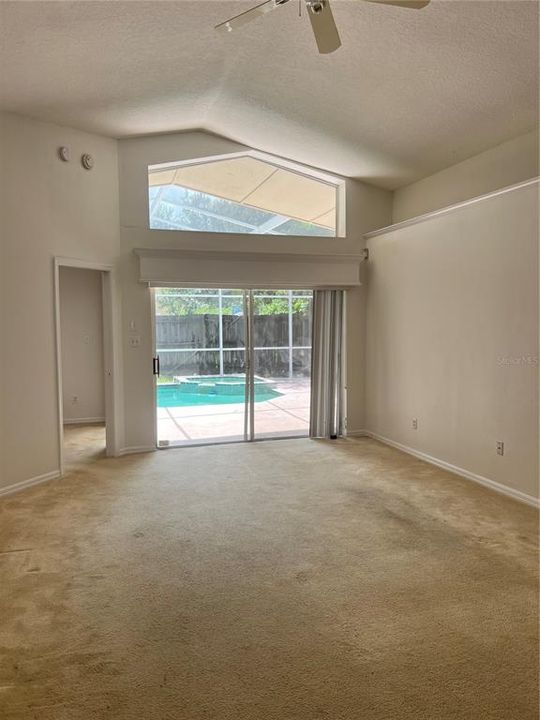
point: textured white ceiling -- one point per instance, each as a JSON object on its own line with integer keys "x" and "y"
{"x": 409, "y": 92}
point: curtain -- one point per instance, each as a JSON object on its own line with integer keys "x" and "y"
{"x": 326, "y": 364}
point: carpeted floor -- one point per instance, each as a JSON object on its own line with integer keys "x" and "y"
{"x": 287, "y": 580}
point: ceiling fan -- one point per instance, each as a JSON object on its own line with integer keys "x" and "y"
{"x": 320, "y": 14}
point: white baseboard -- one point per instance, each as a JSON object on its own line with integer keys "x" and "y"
{"x": 54, "y": 474}
{"x": 486, "y": 482}
{"x": 83, "y": 421}
{"x": 136, "y": 449}
{"x": 23, "y": 484}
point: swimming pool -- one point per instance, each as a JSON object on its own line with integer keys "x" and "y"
{"x": 212, "y": 390}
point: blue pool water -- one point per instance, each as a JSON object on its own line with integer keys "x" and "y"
{"x": 211, "y": 390}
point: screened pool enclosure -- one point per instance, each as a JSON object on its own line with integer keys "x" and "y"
{"x": 242, "y": 194}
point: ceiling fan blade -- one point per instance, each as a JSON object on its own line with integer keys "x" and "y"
{"x": 248, "y": 15}
{"x": 411, "y": 4}
{"x": 323, "y": 26}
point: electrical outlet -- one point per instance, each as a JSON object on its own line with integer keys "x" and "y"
{"x": 75, "y": 399}
{"x": 500, "y": 447}
{"x": 415, "y": 424}
{"x": 134, "y": 340}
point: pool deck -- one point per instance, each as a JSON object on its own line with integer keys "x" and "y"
{"x": 283, "y": 416}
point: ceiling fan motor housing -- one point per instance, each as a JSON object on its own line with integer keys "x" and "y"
{"x": 316, "y": 6}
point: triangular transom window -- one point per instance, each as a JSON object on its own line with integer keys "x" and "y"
{"x": 241, "y": 194}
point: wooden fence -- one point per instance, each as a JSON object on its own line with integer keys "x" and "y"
{"x": 282, "y": 344}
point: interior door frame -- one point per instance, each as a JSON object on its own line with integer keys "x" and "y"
{"x": 110, "y": 360}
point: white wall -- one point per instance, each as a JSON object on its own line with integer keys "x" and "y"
{"x": 452, "y": 337}
{"x": 48, "y": 208}
{"x": 447, "y": 298}
{"x": 506, "y": 164}
{"x": 367, "y": 208}
{"x": 81, "y": 319}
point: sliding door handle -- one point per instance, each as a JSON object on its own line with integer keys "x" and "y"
{"x": 155, "y": 365}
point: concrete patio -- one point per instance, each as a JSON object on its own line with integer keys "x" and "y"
{"x": 284, "y": 416}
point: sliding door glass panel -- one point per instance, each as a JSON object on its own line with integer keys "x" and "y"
{"x": 281, "y": 362}
{"x": 200, "y": 342}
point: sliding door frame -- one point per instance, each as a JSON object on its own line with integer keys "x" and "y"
{"x": 249, "y": 349}
{"x": 155, "y": 439}
{"x": 248, "y": 415}
{"x": 249, "y": 386}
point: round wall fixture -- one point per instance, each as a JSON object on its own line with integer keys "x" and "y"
{"x": 87, "y": 161}
{"x": 63, "y": 153}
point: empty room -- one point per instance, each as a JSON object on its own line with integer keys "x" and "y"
{"x": 269, "y": 390}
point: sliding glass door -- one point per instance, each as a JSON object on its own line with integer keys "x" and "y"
{"x": 200, "y": 348}
{"x": 231, "y": 365}
{"x": 282, "y": 361}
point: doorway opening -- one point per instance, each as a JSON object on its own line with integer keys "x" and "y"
{"x": 231, "y": 364}
{"x": 84, "y": 342}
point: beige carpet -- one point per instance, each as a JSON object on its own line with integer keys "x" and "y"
{"x": 289, "y": 580}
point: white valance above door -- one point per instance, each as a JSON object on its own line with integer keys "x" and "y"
{"x": 208, "y": 268}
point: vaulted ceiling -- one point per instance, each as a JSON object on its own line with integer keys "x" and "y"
{"x": 408, "y": 93}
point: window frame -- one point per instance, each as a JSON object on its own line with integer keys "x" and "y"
{"x": 328, "y": 179}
